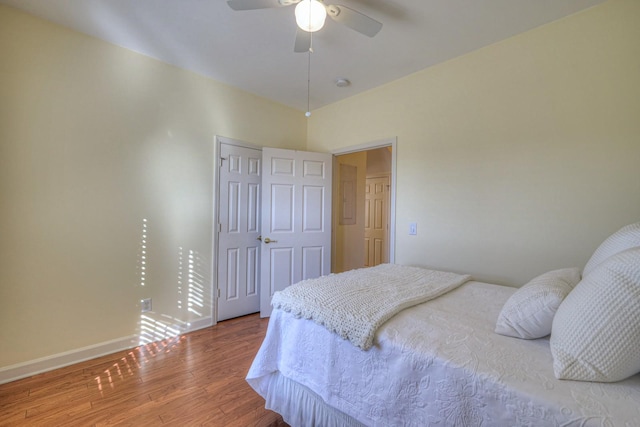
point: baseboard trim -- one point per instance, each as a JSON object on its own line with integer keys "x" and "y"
{"x": 60, "y": 360}
{"x": 205, "y": 322}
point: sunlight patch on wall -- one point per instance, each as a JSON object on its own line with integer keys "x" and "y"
{"x": 142, "y": 257}
{"x": 153, "y": 329}
{"x": 180, "y": 277}
{"x": 195, "y": 300}
{"x": 161, "y": 322}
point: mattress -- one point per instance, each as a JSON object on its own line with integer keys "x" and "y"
{"x": 437, "y": 363}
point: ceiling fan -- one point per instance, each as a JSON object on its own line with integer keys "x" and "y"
{"x": 310, "y": 17}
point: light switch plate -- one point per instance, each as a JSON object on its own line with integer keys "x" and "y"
{"x": 413, "y": 228}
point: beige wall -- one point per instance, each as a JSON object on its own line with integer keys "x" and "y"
{"x": 517, "y": 158}
{"x": 94, "y": 140}
{"x": 379, "y": 162}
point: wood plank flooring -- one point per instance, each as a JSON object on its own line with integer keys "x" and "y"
{"x": 196, "y": 379}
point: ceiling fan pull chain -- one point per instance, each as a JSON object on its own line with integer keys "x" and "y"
{"x": 308, "y": 113}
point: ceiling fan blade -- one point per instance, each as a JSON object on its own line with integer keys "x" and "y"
{"x": 354, "y": 20}
{"x": 303, "y": 41}
{"x": 254, "y": 4}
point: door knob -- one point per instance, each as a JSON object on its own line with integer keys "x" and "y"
{"x": 268, "y": 240}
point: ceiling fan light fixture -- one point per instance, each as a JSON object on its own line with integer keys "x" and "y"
{"x": 310, "y": 15}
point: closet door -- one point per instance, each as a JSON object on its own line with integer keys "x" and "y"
{"x": 296, "y": 219}
{"x": 239, "y": 229}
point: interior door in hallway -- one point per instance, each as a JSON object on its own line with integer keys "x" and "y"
{"x": 376, "y": 223}
{"x": 239, "y": 229}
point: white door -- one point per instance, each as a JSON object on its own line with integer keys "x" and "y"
{"x": 296, "y": 220}
{"x": 239, "y": 229}
{"x": 376, "y": 221}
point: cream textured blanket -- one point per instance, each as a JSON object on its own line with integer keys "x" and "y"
{"x": 354, "y": 304}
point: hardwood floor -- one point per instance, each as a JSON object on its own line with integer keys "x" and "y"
{"x": 191, "y": 380}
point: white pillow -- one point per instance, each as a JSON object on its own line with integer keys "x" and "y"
{"x": 529, "y": 312}
{"x": 596, "y": 331}
{"x": 625, "y": 238}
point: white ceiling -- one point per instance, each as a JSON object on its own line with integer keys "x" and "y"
{"x": 253, "y": 50}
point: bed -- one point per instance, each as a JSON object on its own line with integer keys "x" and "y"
{"x": 439, "y": 363}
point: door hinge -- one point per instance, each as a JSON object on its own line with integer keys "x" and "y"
{"x": 218, "y": 292}
{"x": 222, "y": 159}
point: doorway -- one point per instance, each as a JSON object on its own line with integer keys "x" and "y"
{"x": 363, "y": 206}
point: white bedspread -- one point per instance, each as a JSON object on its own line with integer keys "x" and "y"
{"x": 355, "y": 303}
{"x": 440, "y": 363}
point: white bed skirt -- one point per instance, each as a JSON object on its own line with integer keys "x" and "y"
{"x": 299, "y": 406}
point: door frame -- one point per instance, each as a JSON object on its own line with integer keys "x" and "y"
{"x": 215, "y": 228}
{"x": 387, "y": 142}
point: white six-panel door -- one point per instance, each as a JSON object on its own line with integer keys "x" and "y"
{"x": 296, "y": 219}
{"x": 376, "y": 221}
{"x": 239, "y": 229}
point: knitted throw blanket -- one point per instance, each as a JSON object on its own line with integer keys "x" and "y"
{"x": 354, "y": 304}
